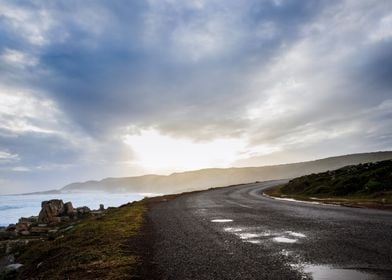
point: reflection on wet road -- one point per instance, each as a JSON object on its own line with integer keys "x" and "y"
{"x": 237, "y": 233}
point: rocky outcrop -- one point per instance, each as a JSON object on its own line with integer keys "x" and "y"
{"x": 69, "y": 210}
{"x": 55, "y": 219}
{"x": 83, "y": 210}
{"x": 56, "y": 211}
{"x": 51, "y": 211}
{"x": 54, "y": 215}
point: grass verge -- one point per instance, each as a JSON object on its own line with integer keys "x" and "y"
{"x": 96, "y": 248}
{"x": 349, "y": 201}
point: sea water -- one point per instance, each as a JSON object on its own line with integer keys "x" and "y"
{"x": 12, "y": 207}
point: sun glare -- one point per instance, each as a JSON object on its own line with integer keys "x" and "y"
{"x": 157, "y": 152}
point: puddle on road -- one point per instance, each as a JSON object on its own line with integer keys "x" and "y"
{"x": 221, "y": 220}
{"x": 253, "y": 241}
{"x": 324, "y": 272}
{"x": 291, "y": 239}
{"x": 282, "y": 239}
{"x": 296, "y": 234}
{"x": 231, "y": 229}
{"x": 247, "y": 235}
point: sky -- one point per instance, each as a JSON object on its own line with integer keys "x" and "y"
{"x": 94, "y": 89}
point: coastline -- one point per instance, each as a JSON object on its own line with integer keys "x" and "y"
{"x": 114, "y": 243}
{"x": 15, "y": 206}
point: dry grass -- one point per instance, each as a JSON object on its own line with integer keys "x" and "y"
{"x": 97, "y": 248}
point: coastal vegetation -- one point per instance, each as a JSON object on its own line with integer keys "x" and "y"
{"x": 95, "y": 247}
{"x": 369, "y": 183}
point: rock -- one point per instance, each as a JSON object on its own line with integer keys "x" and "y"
{"x": 24, "y": 232}
{"x": 32, "y": 219}
{"x": 69, "y": 210}
{"x": 42, "y": 225}
{"x": 101, "y": 207}
{"x": 53, "y": 230}
{"x": 51, "y": 210}
{"x": 39, "y": 229}
{"x": 14, "y": 266}
{"x": 66, "y": 229}
{"x": 65, "y": 219}
{"x": 83, "y": 210}
{"x": 55, "y": 220}
{"x": 22, "y": 227}
{"x": 11, "y": 227}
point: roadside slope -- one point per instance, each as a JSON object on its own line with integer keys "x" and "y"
{"x": 356, "y": 185}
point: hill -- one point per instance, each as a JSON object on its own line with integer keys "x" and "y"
{"x": 217, "y": 177}
{"x": 371, "y": 180}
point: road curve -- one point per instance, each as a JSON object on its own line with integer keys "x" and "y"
{"x": 237, "y": 233}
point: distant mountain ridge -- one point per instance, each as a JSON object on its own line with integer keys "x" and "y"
{"x": 219, "y": 177}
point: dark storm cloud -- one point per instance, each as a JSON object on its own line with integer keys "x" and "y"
{"x": 114, "y": 75}
{"x": 374, "y": 67}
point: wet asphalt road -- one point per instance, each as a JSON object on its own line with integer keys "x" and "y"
{"x": 237, "y": 233}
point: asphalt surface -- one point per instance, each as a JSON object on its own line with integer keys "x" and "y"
{"x": 237, "y": 233}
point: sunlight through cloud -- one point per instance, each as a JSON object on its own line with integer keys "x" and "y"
{"x": 155, "y": 151}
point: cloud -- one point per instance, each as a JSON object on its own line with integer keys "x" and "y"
{"x": 7, "y": 157}
{"x": 284, "y": 78}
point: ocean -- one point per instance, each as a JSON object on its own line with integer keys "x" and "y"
{"x": 12, "y": 207}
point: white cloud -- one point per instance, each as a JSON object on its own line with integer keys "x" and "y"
{"x": 8, "y": 157}
{"x": 23, "y": 110}
{"x": 21, "y": 169}
{"x": 18, "y": 59}
{"x": 383, "y": 30}
{"x": 32, "y": 25}
{"x": 208, "y": 32}
{"x": 201, "y": 39}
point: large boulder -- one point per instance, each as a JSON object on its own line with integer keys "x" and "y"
{"x": 32, "y": 219}
{"x": 22, "y": 227}
{"x": 69, "y": 210}
{"x": 83, "y": 211}
{"x": 50, "y": 211}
